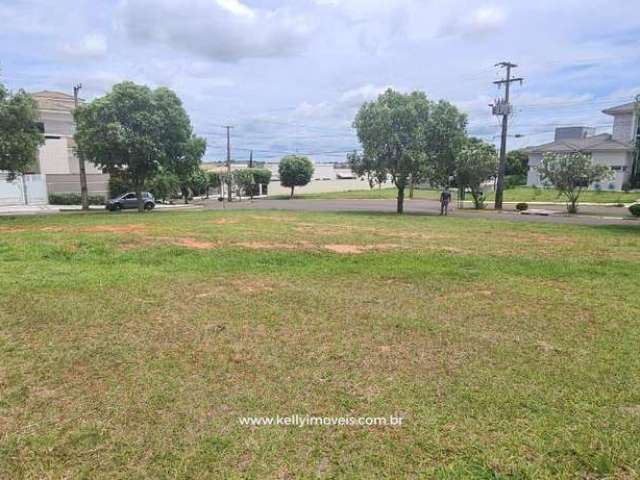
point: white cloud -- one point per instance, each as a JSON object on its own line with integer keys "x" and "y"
{"x": 223, "y": 30}
{"x": 365, "y": 93}
{"x": 482, "y": 20}
{"x": 90, "y": 46}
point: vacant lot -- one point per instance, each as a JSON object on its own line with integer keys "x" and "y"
{"x": 518, "y": 194}
{"x": 130, "y": 346}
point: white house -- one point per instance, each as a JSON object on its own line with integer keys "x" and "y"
{"x": 615, "y": 150}
{"x": 57, "y": 159}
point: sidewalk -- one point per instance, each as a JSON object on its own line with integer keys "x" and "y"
{"x": 6, "y": 210}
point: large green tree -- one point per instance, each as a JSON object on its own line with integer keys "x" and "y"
{"x": 295, "y": 171}
{"x": 403, "y": 135}
{"x": 136, "y": 132}
{"x": 476, "y": 163}
{"x": 20, "y": 136}
{"x": 571, "y": 173}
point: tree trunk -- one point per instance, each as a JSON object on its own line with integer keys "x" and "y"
{"x": 411, "y": 187}
{"x": 139, "y": 197}
{"x": 400, "y": 200}
{"x": 292, "y": 188}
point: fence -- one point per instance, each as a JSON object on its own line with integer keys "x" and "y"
{"x": 23, "y": 190}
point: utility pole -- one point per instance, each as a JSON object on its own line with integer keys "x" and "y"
{"x": 635, "y": 168}
{"x": 84, "y": 191}
{"x": 251, "y": 159}
{"x": 228, "y": 127}
{"x": 503, "y": 108}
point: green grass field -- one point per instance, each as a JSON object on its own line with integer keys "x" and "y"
{"x": 130, "y": 346}
{"x": 518, "y": 194}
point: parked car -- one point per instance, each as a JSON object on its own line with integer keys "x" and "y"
{"x": 130, "y": 201}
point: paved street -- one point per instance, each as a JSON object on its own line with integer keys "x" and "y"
{"x": 591, "y": 215}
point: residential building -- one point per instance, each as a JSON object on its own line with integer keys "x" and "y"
{"x": 615, "y": 149}
{"x": 57, "y": 159}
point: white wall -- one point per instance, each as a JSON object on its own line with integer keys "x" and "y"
{"x": 611, "y": 159}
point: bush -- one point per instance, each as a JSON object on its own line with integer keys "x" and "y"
{"x": 522, "y": 207}
{"x": 118, "y": 186}
{"x": 513, "y": 181}
{"x": 74, "y": 199}
{"x": 635, "y": 209}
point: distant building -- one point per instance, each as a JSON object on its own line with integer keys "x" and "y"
{"x": 57, "y": 159}
{"x": 615, "y": 150}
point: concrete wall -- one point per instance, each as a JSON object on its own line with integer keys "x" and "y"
{"x": 24, "y": 190}
{"x": 98, "y": 184}
{"x": 623, "y": 127}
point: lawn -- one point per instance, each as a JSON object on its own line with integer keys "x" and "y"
{"x": 131, "y": 345}
{"x": 518, "y": 194}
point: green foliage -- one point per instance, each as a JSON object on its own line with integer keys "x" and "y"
{"x": 164, "y": 186}
{"x": 118, "y": 186}
{"x": 199, "y": 182}
{"x": 513, "y": 181}
{"x": 20, "y": 136}
{"x": 74, "y": 199}
{"x": 476, "y": 163}
{"x": 364, "y": 166}
{"x": 295, "y": 171}
{"x": 136, "y": 132}
{"x": 261, "y": 175}
{"x": 522, "y": 207}
{"x": 635, "y": 209}
{"x": 570, "y": 173}
{"x": 517, "y": 165}
{"x": 410, "y": 138}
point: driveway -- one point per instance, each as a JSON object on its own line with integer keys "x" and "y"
{"x": 591, "y": 215}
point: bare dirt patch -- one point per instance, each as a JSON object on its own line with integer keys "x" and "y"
{"x": 195, "y": 244}
{"x": 275, "y": 246}
{"x": 115, "y": 229}
{"x": 225, "y": 221}
{"x": 346, "y": 249}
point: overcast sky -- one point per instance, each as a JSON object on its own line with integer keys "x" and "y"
{"x": 290, "y": 74}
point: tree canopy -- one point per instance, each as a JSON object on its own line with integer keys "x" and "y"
{"x": 136, "y": 132}
{"x": 409, "y": 137}
{"x": 295, "y": 171}
{"x": 571, "y": 173}
{"x": 20, "y": 136}
{"x": 476, "y": 163}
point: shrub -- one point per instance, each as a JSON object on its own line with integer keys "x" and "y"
{"x": 635, "y": 209}
{"x": 74, "y": 199}
{"x": 118, "y": 186}
{"x": 513, "y": 181}
{"x": 522, "y": 207}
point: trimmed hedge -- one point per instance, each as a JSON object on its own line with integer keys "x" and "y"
{"x": 635, "y": 209}
{"x": 74, "y": 199}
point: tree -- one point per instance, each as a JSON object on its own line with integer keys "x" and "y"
{"x": 20, "y": 136}
{"x": 164, "y": 186}
{"x": 295, "y": 171}
{"x": 364, "y": 166}
{"x": 244, "y": 181}
{"x": 186, "y": 167}
{"x": 517, "y": 163}
{"x": 136, "y": 132}
{"x": 402, "y": 133}
{"x": 571, "y": 173}
{"x": 476, "y": 163}
{"x": 446, "y": 136}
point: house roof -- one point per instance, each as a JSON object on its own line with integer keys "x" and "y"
{"x": 54, "y": 101}
{"x": 621, "y": 109}
{"x": 597, "y": 143}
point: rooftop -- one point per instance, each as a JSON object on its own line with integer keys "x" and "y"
{"x": 621, "y": 109}
{"x": 597, "y": 143}
{"x": 54, "y": 101}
